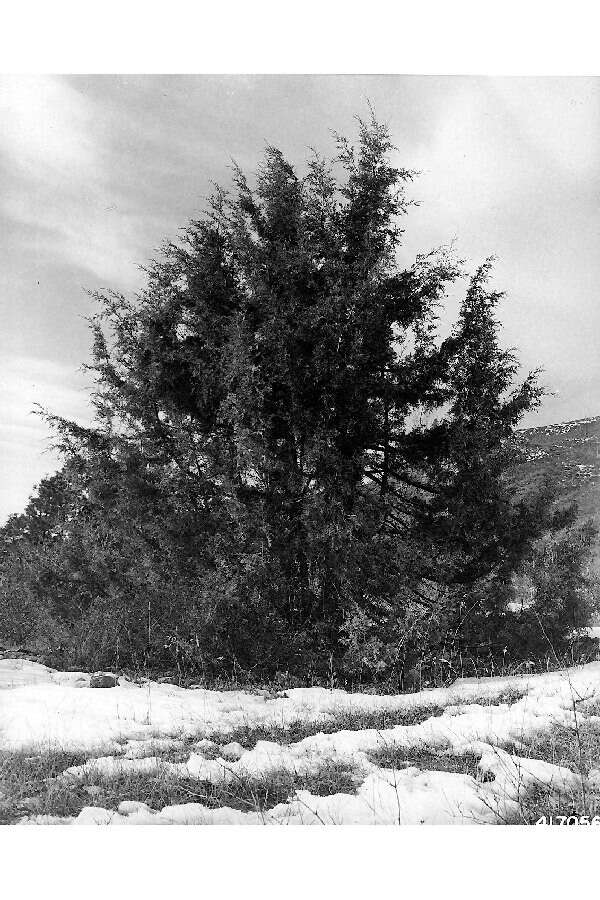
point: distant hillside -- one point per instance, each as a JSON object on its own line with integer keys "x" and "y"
{"x": 569, "y": 454}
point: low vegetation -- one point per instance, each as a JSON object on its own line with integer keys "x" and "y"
{"x": 35, "y": 785}
{"x": 28, "y": 786}
{"x": 348, "y": 720}
{"x": 575, "y": 747}
{"x": 394, "y": 756}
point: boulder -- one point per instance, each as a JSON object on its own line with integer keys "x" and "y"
{"x": 103, "y": 680}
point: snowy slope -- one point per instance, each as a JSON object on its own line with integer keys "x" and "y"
{"x": 568, "y": 454}
{"x": 121, "y": 726}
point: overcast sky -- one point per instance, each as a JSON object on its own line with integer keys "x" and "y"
{"x": 96, "y": 172}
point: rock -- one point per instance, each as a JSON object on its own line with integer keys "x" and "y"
{"x": 232, "y": 751}
{"x": 103, "y": 680}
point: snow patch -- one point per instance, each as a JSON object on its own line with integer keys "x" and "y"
{"x": 127, "y": 729}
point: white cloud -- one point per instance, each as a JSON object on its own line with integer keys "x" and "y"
{"x": 46, "y": 128}
{"x": 56, "y": 155}
{"x": 25, "y": 439}
{"x": 560, "y": 118}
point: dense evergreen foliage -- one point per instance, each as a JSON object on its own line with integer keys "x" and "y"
{"x": 290, "y": 469}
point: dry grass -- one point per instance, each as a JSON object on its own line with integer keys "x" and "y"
{"x": 26, "y": 787}
{"x": 346, "y": 720}
{"x": 245, "y": 792}
{"x": 31, "y": 787}
{"x": 575, "y": 747}
{"x": 393, "y": 756}
{"x": 509, "y": 695}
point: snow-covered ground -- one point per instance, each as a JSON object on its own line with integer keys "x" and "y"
{"x": 127, "y": 729}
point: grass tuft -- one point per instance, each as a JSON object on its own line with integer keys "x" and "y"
{"x": 507, "y": 696}
{"x": 393, "y": 756}
{"x": 343, "y": 720}
{"x": 30, "y": 792}
{"x": 575, "y": 747}
{"x": 25, "y": 788}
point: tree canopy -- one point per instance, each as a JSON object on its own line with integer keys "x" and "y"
{"x": 290, "y": 467}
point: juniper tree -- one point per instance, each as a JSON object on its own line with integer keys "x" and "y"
{"x": 259, "y": 447}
